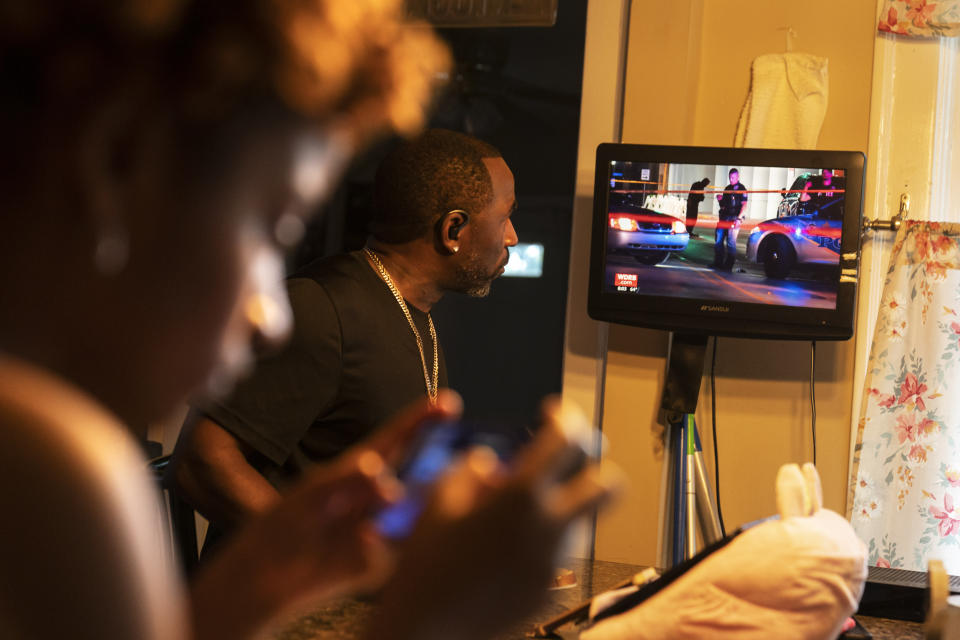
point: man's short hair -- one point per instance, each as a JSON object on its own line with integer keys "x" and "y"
{"x": 426, "y": 177}
{"x": 732, "y": 171}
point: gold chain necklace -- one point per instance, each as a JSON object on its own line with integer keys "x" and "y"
{"x": 430, "y": 384}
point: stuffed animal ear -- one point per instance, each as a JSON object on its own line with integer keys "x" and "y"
{"x": 814, "y": 488}
{"x": 791, "y": 492}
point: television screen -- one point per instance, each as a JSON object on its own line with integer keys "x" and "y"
{"x": 746, "y": 242}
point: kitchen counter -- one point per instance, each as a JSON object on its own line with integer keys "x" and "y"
{"x": 343, "y": 619}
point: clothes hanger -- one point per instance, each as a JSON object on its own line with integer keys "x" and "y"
{"x": 789, "y": 36}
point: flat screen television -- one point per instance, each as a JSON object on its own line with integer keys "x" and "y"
{"x": 754, "y": 243}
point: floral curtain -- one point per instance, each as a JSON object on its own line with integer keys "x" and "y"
{"x": 905, "y": 481}
{"x": 921, "y": 18}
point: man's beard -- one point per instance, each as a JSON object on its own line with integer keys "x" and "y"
{"x": 472, "y": 278}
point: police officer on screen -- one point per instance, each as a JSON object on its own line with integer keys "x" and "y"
{"x": 733, "y": 202}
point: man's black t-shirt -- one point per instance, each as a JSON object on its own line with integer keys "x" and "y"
{"x": 351, "y": 363}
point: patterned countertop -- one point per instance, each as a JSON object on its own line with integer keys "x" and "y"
{"x": 343, "y": 619}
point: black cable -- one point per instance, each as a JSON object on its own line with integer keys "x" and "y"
{"x": 647, "y": 591}
{"x": 813, "y": 398}
{"x": 716, "y": 454}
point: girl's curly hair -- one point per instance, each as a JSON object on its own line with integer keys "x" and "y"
{"x": 354, "y": 62}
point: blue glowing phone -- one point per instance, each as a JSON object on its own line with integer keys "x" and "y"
{"x": 436, "y": 448}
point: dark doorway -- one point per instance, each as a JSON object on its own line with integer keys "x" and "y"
{"x": 519, "y": 89}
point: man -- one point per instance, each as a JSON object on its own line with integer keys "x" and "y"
{"x": 826, "y": 187}
{"x": 733, "y": 203}
{"x": 808, "y": 203}
{"x": 694, "y": 199}
{"x": 364, "y": 344}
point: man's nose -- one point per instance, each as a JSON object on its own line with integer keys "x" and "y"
{"x": 511, "y": 239}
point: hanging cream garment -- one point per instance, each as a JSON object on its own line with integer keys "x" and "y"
{"x": 786, "y": 102}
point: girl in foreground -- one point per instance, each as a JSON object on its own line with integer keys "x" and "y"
{"x": 158, "y": 156}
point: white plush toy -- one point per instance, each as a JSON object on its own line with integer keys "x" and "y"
{"x": 797, "y": 577}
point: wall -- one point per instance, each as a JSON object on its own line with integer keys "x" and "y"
{"x": 604, "y": 67}
{"x": 687, "y": 76}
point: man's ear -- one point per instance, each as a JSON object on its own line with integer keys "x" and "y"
{"x": 449, "y": 228}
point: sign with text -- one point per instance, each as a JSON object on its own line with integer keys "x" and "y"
{"x": 484, "y": 13}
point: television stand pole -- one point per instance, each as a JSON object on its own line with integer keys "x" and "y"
{"x": 686, "y": 497}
